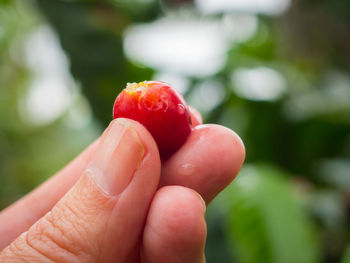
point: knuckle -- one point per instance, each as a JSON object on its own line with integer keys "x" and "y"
{"x": 21, "y": 251}
{"x": 61, "y": 236}
{"x": 50, "y": 241}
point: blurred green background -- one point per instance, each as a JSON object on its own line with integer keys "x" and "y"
{"x": 275, "y": 71}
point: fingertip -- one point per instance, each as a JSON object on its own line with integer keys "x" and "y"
{"x": 229, "y": 142}
{"x": 210, "y": 159}
{"x": 178, "y": 201}
{"x": 175, "y": 229}
{"x": 227, "y": 154}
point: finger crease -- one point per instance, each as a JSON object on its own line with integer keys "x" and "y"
{"x": 37, "y": 250}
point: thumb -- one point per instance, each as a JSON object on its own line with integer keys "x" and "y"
{"x": 101, "y": 218}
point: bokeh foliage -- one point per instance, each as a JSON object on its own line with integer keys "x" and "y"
{"x": 291, "y": 203}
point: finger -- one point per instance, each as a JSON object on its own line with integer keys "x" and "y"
{"x": 196, "y": 117}
{"x": 175, "y": 230}
{"x": 18, "y": 217}
{"x": 209, "y": 160}
{"x": 107, "y": 205}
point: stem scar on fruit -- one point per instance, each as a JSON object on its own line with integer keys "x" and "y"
{"x": 136, "y": 89}
{"x": 161, "y": 109}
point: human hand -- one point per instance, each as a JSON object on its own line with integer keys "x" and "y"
{"x": 116, "y": 202}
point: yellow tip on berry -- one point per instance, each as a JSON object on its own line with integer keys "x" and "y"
{"x": 135, "y": 87}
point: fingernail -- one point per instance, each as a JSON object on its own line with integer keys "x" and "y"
{"x": 203, "y": 203}
{"x": 117, "y": 157}
{"x": 196, "y": 117}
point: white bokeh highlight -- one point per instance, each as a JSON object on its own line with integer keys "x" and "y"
{"x": 207, "y": 95}
{"x": 179, "y": 82}
{"x": 330, "y": 97}
{"x": 52, "y": 89}
{"x": 260, "y": 84}
{"x": 269, "y": 7}
{"x": 238, "y": 27}
{"x": 188, "y": 47}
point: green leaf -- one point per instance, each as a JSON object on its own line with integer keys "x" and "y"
{"x": 346, "y": 257}
{"x": 265, "y": 222}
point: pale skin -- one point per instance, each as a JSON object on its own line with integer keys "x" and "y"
{"x": 116, "y": 202}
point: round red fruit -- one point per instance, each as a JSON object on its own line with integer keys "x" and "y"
{"x": 161, "y": 109}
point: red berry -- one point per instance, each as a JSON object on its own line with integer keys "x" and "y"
{"x": 161, "y": 109}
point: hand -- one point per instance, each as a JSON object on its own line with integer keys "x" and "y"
{"x": 116, "y": 202}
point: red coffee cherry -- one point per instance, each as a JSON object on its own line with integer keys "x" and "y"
{"x": 161, "y": 109}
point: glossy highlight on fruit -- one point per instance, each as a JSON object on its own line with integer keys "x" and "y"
{"x": 161, "y": 109}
